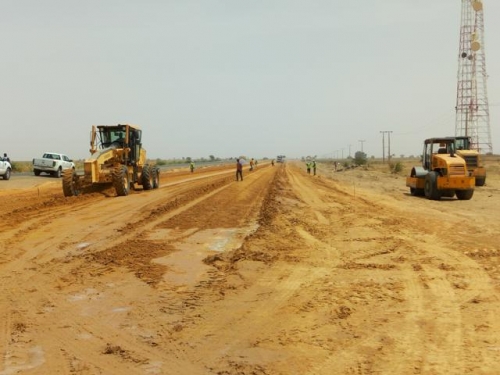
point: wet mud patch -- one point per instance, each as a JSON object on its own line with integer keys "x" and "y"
{"x": 190, "y": 265}
{"x": 137, "y": 256}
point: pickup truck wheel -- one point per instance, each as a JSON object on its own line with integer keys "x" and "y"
{"x": 58, "y": 173}
{"x": 147, "y": 177}
{"x": 70, "y": 183}
{"x": 464, "y": 195}
{"x": 121, "y": 181}
{"x": 6, "y": 176}
{"x": 37, "y": 172}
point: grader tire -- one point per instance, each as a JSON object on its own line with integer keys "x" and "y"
{"x": 147, "y": 177}
{"x": 156, "y": 178}
{"x": 70, "y": 183}
{"x": 121, "y": 181}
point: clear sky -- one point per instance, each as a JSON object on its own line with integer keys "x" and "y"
{"x": 233, "y": 77}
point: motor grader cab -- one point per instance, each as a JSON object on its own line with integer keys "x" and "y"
{"x": 472, "y": 157}
{"x": 443, "y": 172}
{"x": 117, "y": 159}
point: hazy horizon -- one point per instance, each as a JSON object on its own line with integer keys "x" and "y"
{"x": 230, "y": 78}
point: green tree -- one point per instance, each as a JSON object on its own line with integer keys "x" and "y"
{"x": 360, "y": 158}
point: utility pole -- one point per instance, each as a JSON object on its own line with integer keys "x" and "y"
{"x": 383, "y": 146}
{"x": 362, "y": 141}
{"x": 342, "y": 154}
{"x": 349, "y": 151}
{"x": 389, "y": 145}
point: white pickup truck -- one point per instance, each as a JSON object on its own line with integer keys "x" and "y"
{"x": 5, "y": 168}
{"x": 52, "y": 163}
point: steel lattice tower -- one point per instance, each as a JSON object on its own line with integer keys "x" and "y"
{"x": 472, "y": 109}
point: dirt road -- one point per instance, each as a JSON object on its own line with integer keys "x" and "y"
{"x": 282, "y": 273}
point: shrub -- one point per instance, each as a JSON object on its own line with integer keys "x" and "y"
{"x": 21, "y": 166}
{"x": 360, "y": 158}
{"x": 396, "y": 168}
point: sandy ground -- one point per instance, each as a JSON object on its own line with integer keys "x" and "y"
{"x": 282, "y": 273}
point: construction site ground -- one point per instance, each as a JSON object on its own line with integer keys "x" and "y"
{"x": 281, "y": 273}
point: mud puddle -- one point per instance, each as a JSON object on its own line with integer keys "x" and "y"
{"x": 186, "y": 265}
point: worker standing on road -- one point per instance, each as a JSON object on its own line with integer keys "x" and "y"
{"x": 251, "y": 164}
{"x": 191, "y": 167}
{"x": 239, "y": 170}
{"x": 308, "y": 167}
{"x": 272, "y": 162}
{"x": 314, "y": 166}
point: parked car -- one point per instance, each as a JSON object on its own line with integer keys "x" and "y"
{"x": 52, "y": 163}
{"x": 5, "y": 168}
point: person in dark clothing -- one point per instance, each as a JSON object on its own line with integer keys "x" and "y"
{"x": 5, "y": 157}
{"x": 314, "y": 166}
{"x": 239, "y": 170}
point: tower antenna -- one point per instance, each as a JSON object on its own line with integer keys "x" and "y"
{"x": 472, "y": 109}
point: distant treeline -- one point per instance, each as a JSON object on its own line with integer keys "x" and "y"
{"x": 27, "y": 166}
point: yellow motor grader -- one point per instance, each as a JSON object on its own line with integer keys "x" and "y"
{"x": 117, "y": 159}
